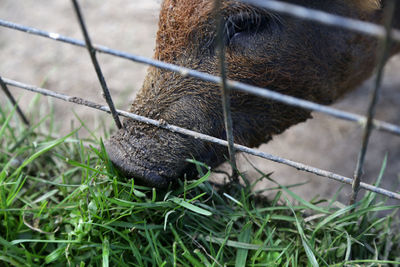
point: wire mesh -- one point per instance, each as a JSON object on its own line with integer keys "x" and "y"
{"x": 277, "y": 6}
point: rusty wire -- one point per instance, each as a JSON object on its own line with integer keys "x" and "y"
{"x": 281, "y": 7}
{"x": 204, "y": 137}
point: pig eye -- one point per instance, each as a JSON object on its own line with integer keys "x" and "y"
{"x": 244, "y": 25}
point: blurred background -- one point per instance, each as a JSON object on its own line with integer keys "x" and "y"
{"x": 130, "y": 26}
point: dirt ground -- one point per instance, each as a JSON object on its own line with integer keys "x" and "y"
{"x": 131, "y": 26}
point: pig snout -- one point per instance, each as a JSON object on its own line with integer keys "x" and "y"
{"x": 140, "y": 156}
{"x": 156, "y": 157}
{"x": 119, "y": 152}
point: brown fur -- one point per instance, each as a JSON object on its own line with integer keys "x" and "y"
{"x": 291, "y": 56}
{"x": 368, "y": 5}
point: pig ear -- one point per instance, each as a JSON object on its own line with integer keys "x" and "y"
{"x": 368, "y": 5}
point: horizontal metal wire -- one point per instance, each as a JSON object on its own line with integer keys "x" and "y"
{"x": 326, "y": 18}
{"x": 262, "y": 92}
{"x": 173, "y": 128}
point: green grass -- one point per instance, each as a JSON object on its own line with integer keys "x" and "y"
{"x": 63, "y": 204}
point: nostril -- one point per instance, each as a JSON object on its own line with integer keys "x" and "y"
{"x": 131, "y": 169}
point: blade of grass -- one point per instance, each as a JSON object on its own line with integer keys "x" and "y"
{"x": 309, "y": 252}
{"x": 239, "y": 245}
{"x": 6, "y": 122}
{"x": 371, "y": 196}
{"x": 30, "y": 130}
{"x": 244, "y": 237}
{"x": 50, "y": 146}
{"x": 105, "y": 252}
{"x": 223, "y": 243}
{"x": 186, "y": 253}
{"x": 55, "y": 255}
{"x": 332, "y": 217}
{"x": 301, "y": 200}
{"x": 190, "y": 206}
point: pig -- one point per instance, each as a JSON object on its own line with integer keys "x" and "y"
{"x": 300, "y": 58}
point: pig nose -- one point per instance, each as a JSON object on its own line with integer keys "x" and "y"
{"x": 130, "y": 169}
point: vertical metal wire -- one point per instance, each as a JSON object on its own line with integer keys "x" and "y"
{"x": 12, "y": 100}
{"x": 226, "y": 104}
{"x": 383, "y": 56}
{"x": 92, "y": 52}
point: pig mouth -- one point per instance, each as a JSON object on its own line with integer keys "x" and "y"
{"x": 149, "y": 163}
{"x": 144, "y": 175}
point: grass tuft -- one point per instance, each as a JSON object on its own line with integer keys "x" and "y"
{"x": 63, "y": 204}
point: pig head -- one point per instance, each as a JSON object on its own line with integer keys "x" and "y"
{"x": 291, "y": 56}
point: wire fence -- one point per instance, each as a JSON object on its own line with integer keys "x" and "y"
{"x": 384, "y": 33}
